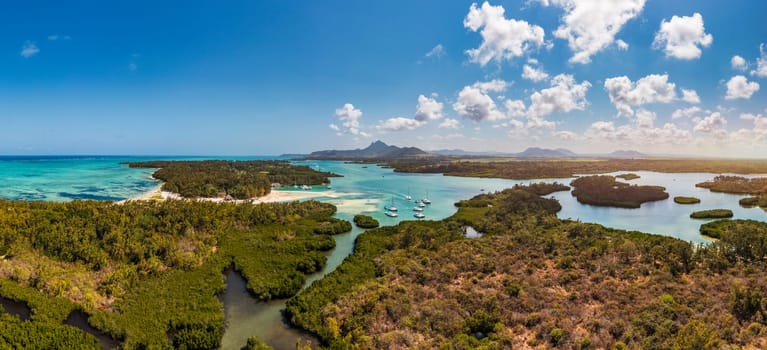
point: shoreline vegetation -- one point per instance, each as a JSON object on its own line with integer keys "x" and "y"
{"x": 628, "y": 176}
{"x": 712, "y": 214}
{"x": 736, "y": 185}
{"x": 603, "y": 190}
{"x": 686, "y": 200}
{"x": 517, "y": 169}
{"x": 147, "y": 273}
{"x": 536, "y": 281}
{"x": 231, "y": 180}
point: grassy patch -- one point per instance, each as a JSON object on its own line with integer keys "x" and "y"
{"x": 712, "y": 214}
{"x": 686, "y": 200}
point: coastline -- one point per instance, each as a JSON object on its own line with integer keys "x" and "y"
{"x": 274, "y": 196}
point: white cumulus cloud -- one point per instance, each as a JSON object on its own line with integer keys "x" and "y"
{"x": 29, "y": 49}
{"x": 564, "y": 95}
{"x": 350, "y": 120}
{"x": 476, "y": 105}
{"x": 590, "y": 26}
{"x": 690, "y": 96}
{"x": 715, "y": 121}
{"x": 761, "y": 63}
{"x": 428, "y": 109}
{"x": 533, "y": 73}
{"x": 515, "y": 108}
{"x": 653, "y": 88}
{"x": 738, "y": 63}
{"x": 739, "y": 87}
{"x": 622, "y": 44}
{"x": 681, "y": 37}
{"x": 502, "y": 39}
{"x": 495, "y": 85}
{"x": 686, "y": 112}
{"x": 450, "y": 123}
{"x": 399, "y": 124}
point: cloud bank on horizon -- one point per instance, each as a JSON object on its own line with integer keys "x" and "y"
{"x": 684, "y": 89}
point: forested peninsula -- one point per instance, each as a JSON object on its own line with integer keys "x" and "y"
{"x": 147, "y": 273}
{"x": 238, "y": 179}
{"x": 535, "y": 281}
{"x": 520, "y": 169}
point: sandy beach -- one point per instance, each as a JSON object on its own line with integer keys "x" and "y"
{"x": 274, "y": 196}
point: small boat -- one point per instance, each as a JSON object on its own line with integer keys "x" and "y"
{"x": 329, "y": 187}
{"x": 391, "y": 206}
{"x": 407, "y": 196}
{"x": 426, "y": 200}
{"x": 391, "y": 214}
{"x": 419, "y": 215}
{"x": 306, "y": 187}
{"x": 417, "y": 209}
{"x": 421, "y": 204}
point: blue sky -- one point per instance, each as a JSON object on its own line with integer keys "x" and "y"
{"x": 268, "y": 77}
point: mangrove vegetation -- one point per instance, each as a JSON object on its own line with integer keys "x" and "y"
{"x": 148, "y": 273}
{"x": 686, "y": 200}
{"x": 712, "y": 214}
{"x": 365, "y": 221}
{"x": 603, "y": 190}
{"x": 238, "y": 179}
{"x": 535, "y": 281}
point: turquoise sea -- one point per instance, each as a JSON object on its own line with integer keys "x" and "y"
{"x": 362, "y": 189}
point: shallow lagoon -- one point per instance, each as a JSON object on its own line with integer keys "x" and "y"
{"x": 363, "y": 189}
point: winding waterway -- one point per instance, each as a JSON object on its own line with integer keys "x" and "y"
{"x": 362, "y": 189}
{"x": 367, "y": 189}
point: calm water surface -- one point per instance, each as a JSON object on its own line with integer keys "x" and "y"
{"x": 362, "y": 189}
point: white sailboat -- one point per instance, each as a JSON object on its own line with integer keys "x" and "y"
{"x": 391, "y": 206}
{"x": 426, "y": 200}
{"x": 417, "y": 209}
{"x": 407, "y": 196}
{"x": 419, "y": 215}
{"x": 391, "y": 214}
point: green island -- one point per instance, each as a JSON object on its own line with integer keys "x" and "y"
{"x": 506, "y": 168}
{"x": 628, "y": 176}
{"x": 534, "y": 280}
{"x": 738, "y": 230}
{"x": 603, "y": 190}
{"x": 760, "y": 201}
{"x": 238, "y": 179}
{"x": 686, "y": 200}
{"x": 148, "y": 273}
{"x": 365, "y": 221}
{"x": 712, "y": 214}
{"x": 736, "y": 185}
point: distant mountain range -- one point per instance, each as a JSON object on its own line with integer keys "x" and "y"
{"x": 536, "y": 152}
{"x": 376, "y": 150}
{"x": 380, "y": 150}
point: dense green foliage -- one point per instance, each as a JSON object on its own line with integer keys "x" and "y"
{"x": 365, "y": 221}
{"x": 148, "y": 273}
{"x": 333, "y": 226}
{"x": 539, "y": 169}
{"x": 736, "y": 184}
{"x": 603, "y": 190}
{"x": 712, "y": 214}
{"x": 16, "y": 334}
{"x": 628, "y": 176}
{"x": 534, "y": 281}
{"x": 686, "y": 200}
{"x": 256, "y": 344}
{"x": 239, "y": 179}
{"x": 760, "y": 201}
{"x": 542, "y": 188}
